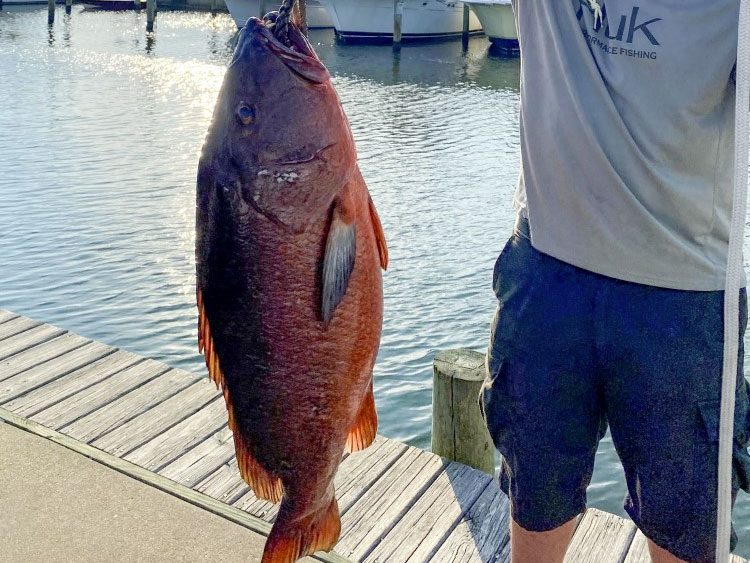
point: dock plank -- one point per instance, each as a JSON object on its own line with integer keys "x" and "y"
{"x": 139, "y": 399}
{"x": 200, "y": 462}
{"x": 225, "y": 484}
{"x": 483, "y": 533}
{"x": 28, "y": 339}
{"x": 600, "y": 538}
{"x": 39, "y": 353}
{"x": 638, "y": 550}
{"x": 6, "y": 316}
{"x": 52, "y": 393}
{"x": 421, "y": 531}
{"x": 141, "y": 429}
{"x": 385, "y": 502}
{"x": 66, "y": 356}
{"x": 63, "y": 413}
{"x": 169, "y": 445}
{"x": 16, "y": 326}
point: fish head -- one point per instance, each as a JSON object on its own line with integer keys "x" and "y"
{"x": 279, "y": 140}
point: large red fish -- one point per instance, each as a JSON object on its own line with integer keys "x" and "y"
{"x": 289, "y": 251}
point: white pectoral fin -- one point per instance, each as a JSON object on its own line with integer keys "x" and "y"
{"x": 338, "y": 262}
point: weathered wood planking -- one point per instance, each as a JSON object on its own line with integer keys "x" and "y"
{"x": 600, "y": 538}
{"x": 482, "y": 533}
{"x": 28, "y": 339}
{"x": 432, "y": 517}
{"x": 168, "y": 446}
{"x": 16, "y": 326}
{"x": 141, "y": 429}
{"x": 398, "y": 503}
{"x": 6, "y": 316}
{"x": 28, "y": 373}
{"x": 41, "y": 398}
{"x": 119, "y": 410}
{"x": 197, "y": 464}
{"x": 386, "y": 501}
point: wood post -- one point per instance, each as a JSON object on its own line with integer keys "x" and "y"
{"x": 458, "y": 429}
{"x": 465, "y": 33}
{"x": 150, "y": 15}
{"x": 137, "y": 4}
{"x": 398, "y": 14}
{"x": 213, "y": 6}
{"x": 50, "y": 11}
{"x": 262, "y": 6}
{"x": 68, "y": 6}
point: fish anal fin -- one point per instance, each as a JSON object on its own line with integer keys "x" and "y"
{"x": 379, "y": 235}
{"x": 265, "y": 485}
{"x": 292, "y": 540}
{"x": 365, "y": 427}
{"x": 338, "y": 261}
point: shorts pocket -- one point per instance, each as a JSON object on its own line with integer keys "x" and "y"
{"x": 709, "y": 414}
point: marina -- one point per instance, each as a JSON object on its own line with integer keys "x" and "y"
{"x": 168, "y": 429}
{"x": 102, "y": 132}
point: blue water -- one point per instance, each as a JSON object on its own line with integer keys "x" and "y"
{"x": 100, "y": 131}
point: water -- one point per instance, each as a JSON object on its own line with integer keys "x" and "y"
{"x": 101, "y": 130}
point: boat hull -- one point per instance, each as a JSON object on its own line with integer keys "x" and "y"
{"x": 498, "y": 22}
{"x": 112, "y": 4}
{"x": 372, "y": 20}
{"x": 243, "y": 10}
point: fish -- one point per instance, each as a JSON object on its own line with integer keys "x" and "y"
{"x": 289, "y": 258}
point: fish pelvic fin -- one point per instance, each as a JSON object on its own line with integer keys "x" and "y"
{"x": 379, "y": 234}
{"x": 265, "y": 485}
{"x": 338, "y": 261}
{"x": 365, "y": 426}
{"x": 292, "y": 540}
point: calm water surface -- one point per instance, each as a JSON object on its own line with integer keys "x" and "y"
{"x": 100, "y": 132}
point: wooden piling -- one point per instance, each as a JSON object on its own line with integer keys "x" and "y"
{"x": 50, "y": 11}
{"x": 150, "y": 15}
{"x": 137, "y": 4}
{"x": 458, "y": 429}
{"x": 262, "y": 6}
{"x": 465, "y": 32}
{"x": 68, "y": 6}
{"x": 214, "y": 5}
{"x": 398, "y": 14}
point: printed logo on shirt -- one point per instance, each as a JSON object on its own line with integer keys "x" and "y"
{"x": 633, "y": 34}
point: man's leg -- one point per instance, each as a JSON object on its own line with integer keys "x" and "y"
{"x": 661, "y": 352}
{"x": 540, "y": 547}
{"x": 661, "y": 555}
{"x": 542, "y": 398}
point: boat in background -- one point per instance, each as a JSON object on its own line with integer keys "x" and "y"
{"x": 498, "y": 22}
{"x": 243, "y": 10}
{"x": 113, "y": 4}
{"x": 372, "y": 20}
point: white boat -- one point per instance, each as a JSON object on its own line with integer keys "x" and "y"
{"x": 243, "y": 10}
{"x": 498, "y": 21}
{"x": 372, "y": 20}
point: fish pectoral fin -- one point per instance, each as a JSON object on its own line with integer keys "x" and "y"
{"x": 338, "y": 262}
{"x": 362, "y": 434}
{"x": 291, "y": 540}
{"x": 379, "y": 235}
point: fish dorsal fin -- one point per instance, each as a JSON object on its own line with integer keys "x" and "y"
{"x": 379, "y": 234}
{"x": 365, "y": 427}
{"x": 265, "y": 485}
{"x": 338, "y": 261}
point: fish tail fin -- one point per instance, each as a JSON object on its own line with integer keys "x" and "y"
{"x": 290, "y": 541}
{"x": 365, "y": 427}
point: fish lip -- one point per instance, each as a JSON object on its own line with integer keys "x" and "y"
{"x": 303, "y": 60}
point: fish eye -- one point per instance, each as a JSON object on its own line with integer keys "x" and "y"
{"x": 245, "y": 113}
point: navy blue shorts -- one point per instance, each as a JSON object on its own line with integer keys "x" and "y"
{"x": 572, "y": 351}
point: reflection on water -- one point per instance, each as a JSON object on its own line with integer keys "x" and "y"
{"x": 102, "y": 126}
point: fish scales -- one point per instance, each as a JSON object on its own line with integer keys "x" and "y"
{"x": 289, "y": 252}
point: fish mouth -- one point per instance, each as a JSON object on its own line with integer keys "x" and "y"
{"x": 299, "y": 55}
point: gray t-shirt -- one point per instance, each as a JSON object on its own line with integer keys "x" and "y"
{"x": 627, "y": 136}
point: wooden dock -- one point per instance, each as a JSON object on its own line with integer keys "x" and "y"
{"x": 168, "y": 428}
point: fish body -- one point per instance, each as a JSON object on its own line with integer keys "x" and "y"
{"x": 289, "y": 252}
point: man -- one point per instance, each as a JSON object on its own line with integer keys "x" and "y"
{"x": 609, "y": 292}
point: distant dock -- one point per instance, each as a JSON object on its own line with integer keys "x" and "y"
{"x": 166, "y": 428}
